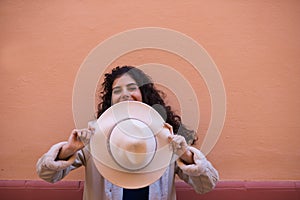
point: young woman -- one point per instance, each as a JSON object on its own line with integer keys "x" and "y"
{"x": 130, "y": 84}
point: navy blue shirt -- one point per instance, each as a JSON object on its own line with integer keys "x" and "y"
{"x": 139, "y": 194}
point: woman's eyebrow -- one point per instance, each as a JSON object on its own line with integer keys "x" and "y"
{"x": 130, "y": 84}
{"x": 116, "y": 87}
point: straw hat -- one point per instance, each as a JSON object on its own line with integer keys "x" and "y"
{"x": 130, "y": 147}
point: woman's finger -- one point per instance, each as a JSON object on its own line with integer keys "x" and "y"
{"x": 79, "y": 133}
{"x": 85, "y": 136}
{"x": 169, "y": 127}
{"x": 178, "y": 144}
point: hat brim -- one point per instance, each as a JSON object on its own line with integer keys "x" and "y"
{"x": 105, "y": 163}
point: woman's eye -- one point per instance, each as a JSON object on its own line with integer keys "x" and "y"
{"x": 132, "y": 88}
{"x": 117, "y": 91}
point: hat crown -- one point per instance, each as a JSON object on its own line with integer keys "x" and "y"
{"x": 132, "y": 144}
{"x": 135, "y": 121}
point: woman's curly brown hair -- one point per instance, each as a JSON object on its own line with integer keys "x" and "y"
{"x": 150, "y": 96}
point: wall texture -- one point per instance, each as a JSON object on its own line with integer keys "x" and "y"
{"x": 255, "y": 45}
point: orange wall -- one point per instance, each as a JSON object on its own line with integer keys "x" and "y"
{"x": 255, "y": 45}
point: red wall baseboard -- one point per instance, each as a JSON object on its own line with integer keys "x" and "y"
{"x": 245, "y": 190}
{"x": 231, "y": 190}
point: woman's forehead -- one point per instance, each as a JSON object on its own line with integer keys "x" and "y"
{"x": 123, "y": 80}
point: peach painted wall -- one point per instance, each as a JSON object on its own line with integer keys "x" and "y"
{"x": 255, "y": 45}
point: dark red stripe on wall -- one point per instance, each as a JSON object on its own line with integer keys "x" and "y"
{"x": 231, "y": 190}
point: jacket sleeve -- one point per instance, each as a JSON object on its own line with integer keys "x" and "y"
{"x": 201, "y": 175}
{"x": 52, "y": 170}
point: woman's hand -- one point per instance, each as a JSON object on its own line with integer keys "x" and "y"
{"x": 78, "y": 139}
{"x": 180, "y": 146}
